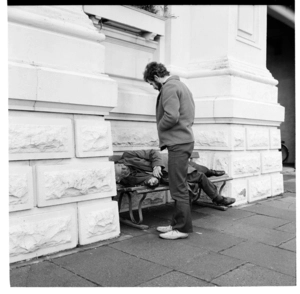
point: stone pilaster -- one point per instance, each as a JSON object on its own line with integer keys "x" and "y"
{"x": 222, "y": 58}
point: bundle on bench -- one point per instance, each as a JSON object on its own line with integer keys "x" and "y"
{"x": 194, "y": 189}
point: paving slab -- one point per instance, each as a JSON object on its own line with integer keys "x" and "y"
{"x": 46, "y": 274}
{"x": 270, "y": 211}
{"x": 169, "y": 253}
{"x": 212, "y": 240}
{"x": 209, "y": 266}
{"x": 261, "y": 234}
{"x": 232, "y": 213}
{"x": 267, "y": 256}
{"x": 281, "y": 204}
{"x": 290, "y": 228}
{"x": 109, "y": 267}
{"x": 253, "y": 275}
{"x": 288, "y": 197}
{"x": 176, "y": 279}
{"x": 290, "y": 245}
{"x": 214, "y": 222}
{"x": 263, "y": 221}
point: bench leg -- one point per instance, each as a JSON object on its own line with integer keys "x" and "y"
{"x": 133, "y": 222}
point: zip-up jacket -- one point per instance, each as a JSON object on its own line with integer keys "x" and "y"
{"x": 175, "y": 113}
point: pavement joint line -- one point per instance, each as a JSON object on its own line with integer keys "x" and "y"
{"x": 262, "y": 265}
{"x": 60, "y": 266}
{"x": 171, "y": 270}
{"x": 231, "y": 270}
{"x": 202, "y": 280}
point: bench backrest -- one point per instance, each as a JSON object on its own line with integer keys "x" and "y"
{"x": 116, "y": 158}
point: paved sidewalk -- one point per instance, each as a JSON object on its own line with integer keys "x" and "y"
{"x": 252, "y": 245}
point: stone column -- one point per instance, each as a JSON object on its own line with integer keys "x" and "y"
{"x": 61, "y": 182}
{"x": 220, "y": 52}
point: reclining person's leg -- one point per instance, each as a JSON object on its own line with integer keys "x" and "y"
{"x": 209, "y": 188}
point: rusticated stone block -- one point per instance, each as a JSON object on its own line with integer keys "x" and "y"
{"x": 238, "y": 164}
{"x": 277, "y": 184}
{"x": 93, "y": 138}
{"x": 245, "y": 164}
{"x": 238, "y": 189}
{"x": 40, "y": 138}
{"x": 58, "y": 184}
{"x": 42, "y": 231}
{"x": 259, "y": 188}
{"x": 275, "y": 138}
{"x": 271, "y": 161}
{"x": 205, "y": 158}
{"x": 152, "y": 199}
{"x": 98, "y": 220}
{"x": 131, "y": 134}
{"x": 257, "y": 138}
{"x": 20, "y": 188}
{"x": 219, "y": 137}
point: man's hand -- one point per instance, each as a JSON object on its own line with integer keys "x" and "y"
{"x": 157, "y": 171}
{"x": 153, "y": 182}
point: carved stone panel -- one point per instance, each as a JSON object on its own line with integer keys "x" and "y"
{"x": 98, "y": 220}
{"x": 259, "y": 187}
{"x": 20, "y": 188}
{"x": 58, "y": 184}
{"x": 42, "y": 231}
{"x": 219, "y": 137}
{"x": 271, "y": 161}
{"x": 275, "y": 138}
{"x": 257, "y": 138}
{"x": 93, "y": 138}
{"x": 40, "y": 138}
{"x": 277, "y": 184}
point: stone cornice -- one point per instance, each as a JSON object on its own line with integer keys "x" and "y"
{"x": 76, "y": 25}
{"x": 224, "y": 66}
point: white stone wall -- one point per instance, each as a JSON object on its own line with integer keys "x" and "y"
{"x": 249, "y": 154}
{"x": 61, "y": 182}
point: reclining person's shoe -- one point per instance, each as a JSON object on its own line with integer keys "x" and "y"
{"x": 223, "y": 201}
{"x": 164, "y": 229}
{"x": 216, "y": 173}
{"x": 173, "y": 235}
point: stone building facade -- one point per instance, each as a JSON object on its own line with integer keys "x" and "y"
{"x": 76, "y": 96}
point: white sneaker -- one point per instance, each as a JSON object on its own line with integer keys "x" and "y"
{"x": 164, "y": 229}
{"x": 173, "y": 235}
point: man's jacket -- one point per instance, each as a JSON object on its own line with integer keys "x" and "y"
{"x": 175, "y": 113}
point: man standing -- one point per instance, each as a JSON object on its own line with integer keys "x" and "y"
{"x": 175, "y": 113}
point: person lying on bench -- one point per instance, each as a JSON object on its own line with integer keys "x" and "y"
{"x": 150, "y": 168}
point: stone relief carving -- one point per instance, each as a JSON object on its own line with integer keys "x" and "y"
{"x": 72, "y": 183}
{"x": 211, "y": 138}
{"x": 94, "y": 138}
{"x": 18, "y": 189}
{"x": 260, "y": 188}
{"x": 246, "y": 165}
{"x": 37, "y": 138}
{"x": 101, "y": 222}
{"x": 29, "y": 237}
{"x": 239, "y": 138}
{"x": 258, "y": 138}
{"x": 133, "y": 137}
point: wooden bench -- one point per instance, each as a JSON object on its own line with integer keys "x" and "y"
{"x": 143, "y": 190}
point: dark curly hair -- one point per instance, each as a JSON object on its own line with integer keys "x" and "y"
{"x": 155, "y": 69}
